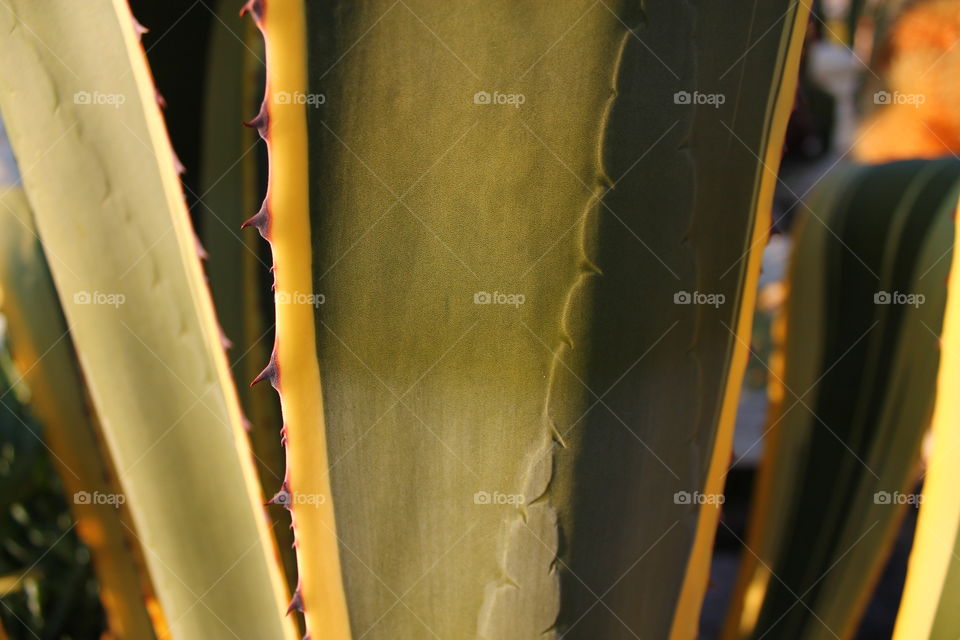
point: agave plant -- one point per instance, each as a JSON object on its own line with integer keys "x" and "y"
{"x": 514, "y": 252}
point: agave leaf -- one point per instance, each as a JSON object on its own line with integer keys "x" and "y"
{"x": 237, "y": 266}
{"x": 774, "y": 483}
{"x": 928, "y": 605}
{"x": 756, "y": 102}
{"x": 229, "y": 188}
{"x": 484, "y": 260}
{"x": 858, "y": 392}
{"x": 43, "y": 350}
{"x": 98, "y": 170}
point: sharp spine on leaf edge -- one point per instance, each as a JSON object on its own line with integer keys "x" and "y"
{"x": 139, "y": 29}
{"x": 270, "y": 372}
{"x": 225, "y": 342}
{"x": 296, "y": 602}
{"x": 261, "y": 121}
{"x": 255, "y": 9}
{"x": 201, "y": 252}
{"x": 178, "y": 166}
{"x": 260, "y": 221}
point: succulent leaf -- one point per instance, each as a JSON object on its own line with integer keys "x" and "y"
{"x": 483, "y": 228}
{"x": 98, "y": 171}
{"x": 928, "y": 606}
{"x": 43, "y": 350}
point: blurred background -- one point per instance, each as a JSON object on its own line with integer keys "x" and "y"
{"x": 860, "y": 57}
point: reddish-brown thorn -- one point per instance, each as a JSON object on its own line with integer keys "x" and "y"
{"x": 261, "y": 121}
{"x": 296, "y": 602}
{"x": 260, "y": 220}
{"x": 269, "y": 373}
{"x": 139, "y": 29}
{"x": 178, "y": 165}
{"x": 203, "y": 255}
{"x": 255, "y": 9}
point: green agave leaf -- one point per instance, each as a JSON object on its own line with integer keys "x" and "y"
{"x": 41, "y": 345}
{"x": 858, "y": 392}
{"x": 928, "y": 605}
{"x": 98, "y": 171}
{"x": 237, "y": 265}
{"x": 487, "y": 241}
{"x": 229, "y": 190}
{"x": 775, "y": 479}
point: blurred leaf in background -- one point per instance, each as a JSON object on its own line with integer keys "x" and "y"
{"x": 47, "y": 586}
